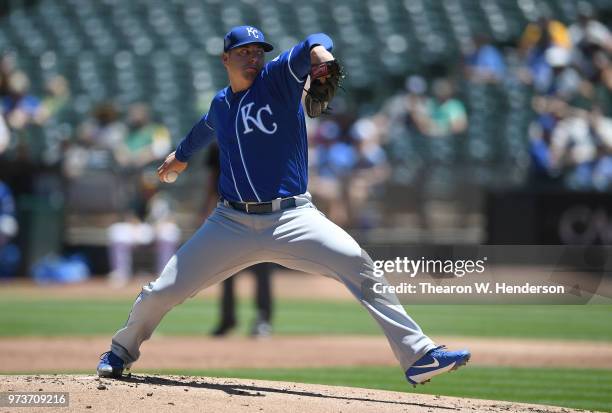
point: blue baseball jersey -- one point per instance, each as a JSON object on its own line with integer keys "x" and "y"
{"x": 261, "y": 131}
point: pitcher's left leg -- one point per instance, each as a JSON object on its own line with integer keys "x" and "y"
{"x": 306, "y": 240}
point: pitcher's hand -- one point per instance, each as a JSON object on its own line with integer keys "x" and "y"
{"x": 170, "y": 169}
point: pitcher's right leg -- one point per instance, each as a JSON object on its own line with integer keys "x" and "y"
{"x": 220, "y": 248}
{"x": 308, "y": 241}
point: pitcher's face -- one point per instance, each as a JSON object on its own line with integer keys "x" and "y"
{"x": 245, "y": 62}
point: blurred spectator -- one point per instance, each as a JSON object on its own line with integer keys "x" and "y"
{"x": 401, "y": 137}
{"x": 98, "y": 138}
{"x": 57, "y": 96}
{"x": 537, "y": 38}
{"x": 548, "y": 112}
{"x": 145, "y": 142}
{"x": 543, "y": 34}
{"x": 7, "y": 67}
{"x": 366, "y": 137}
{"x": 589, "y": 36}
{"x": 5, "y": 135}
{"x": 444, "y": 114}
{"x": 401, "y": 112}
{"x": 371, "y": 169}
{"x": 580, "y": 148}
{"x": 104, "y": 129}
{"x": 603, "y": 87}
{"x": 558, "y": 77}
{"x": 601, "y": 127}
{"x": 485, "y": 63}
{"x": 414, "y": 105}
{"x": 9, "y": 253}
{"x": 20, "y": 108}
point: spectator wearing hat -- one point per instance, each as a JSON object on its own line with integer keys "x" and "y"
{"x": 558, "y": 77}
{"x": 484, "y": 63}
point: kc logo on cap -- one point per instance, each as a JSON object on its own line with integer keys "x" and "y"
{"x": 243, "y": 35}
{"x": 251, "y": 31}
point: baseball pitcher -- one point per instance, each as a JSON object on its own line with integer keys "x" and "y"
{"x": 265, "y": 213}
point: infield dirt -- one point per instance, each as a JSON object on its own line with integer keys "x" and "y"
{"x": 80, "y": 354}
{"x": 201, "y": 394}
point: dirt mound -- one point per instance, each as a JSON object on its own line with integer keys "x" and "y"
{"x": 80, "y": 354}
{"x": 181, "y": 394}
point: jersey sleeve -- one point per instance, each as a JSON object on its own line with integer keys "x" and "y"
{"x": 200, "y": 135}
{"x": 287, "y": 73}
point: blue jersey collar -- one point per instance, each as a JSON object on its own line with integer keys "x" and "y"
{"x": 232, "y": 96}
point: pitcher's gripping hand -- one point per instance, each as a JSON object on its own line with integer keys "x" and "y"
{"x": 170, "y": 169}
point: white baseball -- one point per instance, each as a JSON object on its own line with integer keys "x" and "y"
{"x": 171, "y": 177}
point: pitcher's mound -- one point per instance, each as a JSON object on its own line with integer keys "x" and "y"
{"x": 156, "y": 394}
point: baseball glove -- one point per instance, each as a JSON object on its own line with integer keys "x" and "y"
{"x": 325, "y": 79}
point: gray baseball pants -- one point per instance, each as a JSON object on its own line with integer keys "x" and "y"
{"x": 300, "y": 238}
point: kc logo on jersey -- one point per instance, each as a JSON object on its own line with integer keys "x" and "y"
{"x": 256, "y": 120}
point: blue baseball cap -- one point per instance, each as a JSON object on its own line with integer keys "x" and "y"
{"x": 243, "y": 35}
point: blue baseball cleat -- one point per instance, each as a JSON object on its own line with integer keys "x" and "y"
{"x": 436, "y": 361}
{"x": 111, "y": 365}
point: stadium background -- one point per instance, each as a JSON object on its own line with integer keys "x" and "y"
{"x": 401, "y": 183}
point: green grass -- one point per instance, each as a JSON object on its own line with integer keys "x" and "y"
{"x": 577, "y": 388}
{"x": 53, "y": 317}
